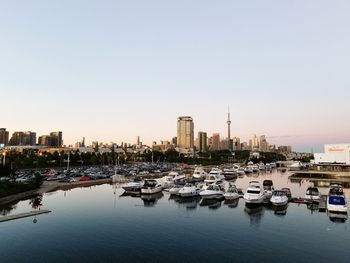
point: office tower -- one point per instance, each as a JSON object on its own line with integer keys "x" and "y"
{"x": 23, "y": 138}
{"x": 56, "y": 139}
{"x": 185, "y": 132}
{"x": 255, "y": 143}
{"x": 45, "y": 140}
{"x": 202, "y": 142}
{"x": 4, "y": 137}
{"x": 138, "y": 141}
{"x": 237, "y": 144}
{"x": 263, "y": 145}
{"x": 215, "y": 144}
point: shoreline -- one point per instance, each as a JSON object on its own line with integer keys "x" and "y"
{"x": 52, "y": 186}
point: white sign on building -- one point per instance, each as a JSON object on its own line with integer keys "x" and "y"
{"x": 334, "y": 154}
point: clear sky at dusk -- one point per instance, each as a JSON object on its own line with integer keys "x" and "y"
{"x": 112, "y": 70}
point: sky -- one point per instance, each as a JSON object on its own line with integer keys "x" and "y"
{"x": 114, "y": 70}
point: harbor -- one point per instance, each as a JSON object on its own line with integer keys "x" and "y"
{"x": 119, "y": 224}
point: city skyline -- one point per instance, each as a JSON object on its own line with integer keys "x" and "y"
{"x": 112, "y": 72}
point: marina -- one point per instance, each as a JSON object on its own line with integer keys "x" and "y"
{"x": 119, "y": 223}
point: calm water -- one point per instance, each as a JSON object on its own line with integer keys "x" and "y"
{"x": 96, "y": 225}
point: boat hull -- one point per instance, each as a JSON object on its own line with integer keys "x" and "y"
{"x": 149, "y": 190}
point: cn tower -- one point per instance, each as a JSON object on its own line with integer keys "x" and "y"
{"x": 228, "y": 125}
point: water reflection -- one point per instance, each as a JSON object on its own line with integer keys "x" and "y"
{"x": 190, "y": 203}
{"x": 312, "y": 207}
{"x": 255, "y": 214}
{"x": 338, "y": 217}
{"x": 280, "y": 210}
{"x": 232, "y": 203}
{"x": 211, "y": 203}
{"x": 36, "y": 202}
{"x": 5, "y": 210}
{"x": 151, "y": 200}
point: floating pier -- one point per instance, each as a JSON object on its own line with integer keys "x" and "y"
{"x": 23, "y": 215}
{"x": 322, "y": 205}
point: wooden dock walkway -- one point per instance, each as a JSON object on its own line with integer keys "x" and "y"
{"x": 23, "y": 215}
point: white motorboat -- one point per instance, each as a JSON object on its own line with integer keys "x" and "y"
{"x": 248, "y": 170}
{"x": 175, "y": 189}
{"x": 214, "y": 175}
{"x": 231, "y": 193}
{"x": 241, "y": 171}
{"x": 279, "y": 198}
{"x": 199, "y": 173}
{"x": 172, "y": 178}
{"x": 189, "y": 190}
{"x": 254, "y": 194}
{"x": 151, "y": 186}
{"x": 255, "y": 168}
{"x": 312, "y": 194}
{"x": 288, "y": 193}
{"x": 134, "y": 186}
{"x": 336, "y": 201}
{"x": 261, "y": 166}
{"x": 268, "y": 188}
{"x": 230, "y": 174}
{"x": 213, "y": 191}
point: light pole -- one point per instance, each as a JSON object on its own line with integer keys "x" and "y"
{"x": 4, "y": 160}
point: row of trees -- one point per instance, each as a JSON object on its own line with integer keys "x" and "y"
{"x": 33, "y": 160}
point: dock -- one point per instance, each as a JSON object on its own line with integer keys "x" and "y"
{"x": 23, "y": 215}
{"x": 322, "y": 205}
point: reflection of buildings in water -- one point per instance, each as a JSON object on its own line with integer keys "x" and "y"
{"x": 337, "y": 217}
{"x": 232, "y": 203}
{"x": 190, "y": 203}
{"x": 151, "y": 200}
{"x": 255, "y": 213}
{"x": 211, "y": 203}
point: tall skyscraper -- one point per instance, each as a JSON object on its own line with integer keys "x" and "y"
{"x": 263, "y": 145}
{"x": 237, "y": 144}
{"x": 215, "y": 143}
{"x": 185, "y": 132}
{"x": 202, "y": 142}
{"x": 56, "y": 139}
{"x": 4, "y": 136}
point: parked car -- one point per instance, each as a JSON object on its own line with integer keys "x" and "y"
{"x": 84, "y": 178}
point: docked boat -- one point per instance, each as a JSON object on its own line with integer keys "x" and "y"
{"x": 241, "y": 171}
{"x": 248, "y": 170}
{"x": 268, "y": 188}
{"x": 279, "y": 198}
{"x": 288, "y": 193}
{"x": 312, "y": 194}
{"x": 133, "y": 187}
{"x": 230, "y": 174}
{"x": 199, "y": 173}
{"x": 151, "y": 186}
{"x": 214, "y": 175}
{"x": 254, "y": 194}
{"x": 213, "y": 191}
{"x": 261, "y": 166}
{"x": 336, "y": 201}
{"x": 255, "y": 168}
{"x": 189, "y": 190}
{"x": 175, "y": 189}
{"x": 231, "y": 193}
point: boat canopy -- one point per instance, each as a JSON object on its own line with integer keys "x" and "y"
{"x": 336, "y": 200}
